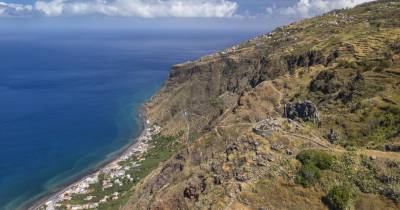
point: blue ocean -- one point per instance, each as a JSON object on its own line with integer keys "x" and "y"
{"x": 69, "y": 99}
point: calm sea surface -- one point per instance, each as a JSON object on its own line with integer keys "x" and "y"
{"x": 69, "y": 100}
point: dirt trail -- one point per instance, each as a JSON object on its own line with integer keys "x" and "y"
{"x": 315, "y": 139}
{"x": 338, "y": 149}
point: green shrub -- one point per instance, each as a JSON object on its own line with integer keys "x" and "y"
{"x": 339, "y": 197}
{"x": 308, "y": 175}
{"x": 383, "y": 127}
{"x": 318, "y": 158}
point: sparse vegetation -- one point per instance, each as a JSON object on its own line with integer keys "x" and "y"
{"x": 313, "y": 161}
{"x": 339, "y": 197}
{"x": 161, "y": 148}
{"x": 344, "y": 63}
{"x": 308, "y": 175}
{"x": 318, "y": 158}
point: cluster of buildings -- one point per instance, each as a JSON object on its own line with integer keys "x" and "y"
{"x": 113, "y": 174}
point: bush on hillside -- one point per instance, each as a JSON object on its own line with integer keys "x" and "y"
{"x": 319, "y": 158}
{"x": 339, "y": 197}
{"x": 308, "y": 175}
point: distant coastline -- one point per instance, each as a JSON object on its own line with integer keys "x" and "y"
{"x": 36, "y": 203}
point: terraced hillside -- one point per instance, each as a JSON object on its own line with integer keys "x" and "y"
{"x": 345, "y": 154}
{"x": 304, "y": 117}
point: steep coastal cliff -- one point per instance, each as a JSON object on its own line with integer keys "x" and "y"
{"x": 346, "y": 63}
{"x": 304, "y": 117}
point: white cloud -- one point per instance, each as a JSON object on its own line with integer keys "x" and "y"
{"x": 132, "y": 8}
{"x": 52, "y": 8}
{"x": 14, "y": 9}
{"x": 307, "y": 8}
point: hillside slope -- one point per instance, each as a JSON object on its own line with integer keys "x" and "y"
{"x": 342, "y": 69}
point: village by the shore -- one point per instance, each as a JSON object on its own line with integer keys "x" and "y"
{"x": 114, "y": 173}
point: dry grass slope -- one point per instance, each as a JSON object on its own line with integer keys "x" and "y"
{"x": 346, "y": 62}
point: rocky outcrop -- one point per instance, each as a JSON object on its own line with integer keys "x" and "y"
{"x": 307, "y": 59}
{"x": 166, "y": 173}
{"x": 194, "y": 86}
{"x": 302, "y": 111}
{"x": 195, "y": 188}
{"x": 222, "y": 97}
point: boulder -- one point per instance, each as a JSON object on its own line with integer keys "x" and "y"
{"x": 302, "y": 111}
{"x": 195, "y": 188}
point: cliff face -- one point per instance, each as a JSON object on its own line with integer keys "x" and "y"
{"x": 212, "y": 85}
{"x": 346, "y": 63}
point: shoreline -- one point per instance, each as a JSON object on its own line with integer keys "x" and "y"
{"x": 135, "y": 144}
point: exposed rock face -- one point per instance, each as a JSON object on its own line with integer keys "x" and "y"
{"x": 193, "y": 86}
{"x": 307, "y": 59}
{"x": 167, "y": 171}
{"x": 195, "y": 188}
{"x": 304, "y": 111}
{"x": 227, "y": 93}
